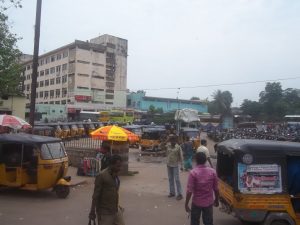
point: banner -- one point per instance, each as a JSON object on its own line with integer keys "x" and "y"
{"x": 259, "y": 178}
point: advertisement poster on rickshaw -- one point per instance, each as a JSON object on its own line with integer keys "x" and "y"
{"x": 259, "y": 178}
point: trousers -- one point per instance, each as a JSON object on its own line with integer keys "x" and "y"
{"x": 173, "y": 175}
{"x": 111, "y": 219}
{"x": 207, "y": 215}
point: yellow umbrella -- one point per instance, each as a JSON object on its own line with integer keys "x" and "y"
{"x": 114, "y": 133}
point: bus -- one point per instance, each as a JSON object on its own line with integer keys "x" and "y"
{"x": 89, "y": 115}
{"x": 121, "y": 116}
{"x": 104, "y": 116}
{"x": 292, "y": 120}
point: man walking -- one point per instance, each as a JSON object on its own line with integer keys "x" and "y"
{"x": 188, "y": 152}
{"x": 106, "y": 195}
{"x": 204, "y": 149}
{"x": 174, "y": 158}
{"x": 203, "y": 186}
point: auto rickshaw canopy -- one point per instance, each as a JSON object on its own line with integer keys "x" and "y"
{"x": 24, "y": 138}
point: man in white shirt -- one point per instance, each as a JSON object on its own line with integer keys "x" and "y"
{"x": 204, "y": 149}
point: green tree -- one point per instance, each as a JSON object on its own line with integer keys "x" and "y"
{"x": 291, "y": 97}
{"x": 195, "y": 98}
{"x": 252, "y": 108}
{"x": 10, "y": 69}
{"x": 151, "y": 109}
{"x": 271, "y": 98}
{"x": 221, "y": 103}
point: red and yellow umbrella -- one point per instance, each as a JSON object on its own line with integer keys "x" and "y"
{"x": 114, "y": 133}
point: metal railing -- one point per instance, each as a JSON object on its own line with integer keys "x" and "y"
{"x": 83, "y": 143}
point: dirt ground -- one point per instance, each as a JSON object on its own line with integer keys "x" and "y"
{"x": 143, "y": 195}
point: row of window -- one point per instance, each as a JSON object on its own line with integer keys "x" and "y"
{"x": 52, "y": 70}
{"x": 49, "y": 59}
{"x": 63, "y": 102}
{"x": 46, "y": 83}
{"x": 52, "y": 93}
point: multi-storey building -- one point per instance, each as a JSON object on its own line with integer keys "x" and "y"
{"x": 89, "y": 75}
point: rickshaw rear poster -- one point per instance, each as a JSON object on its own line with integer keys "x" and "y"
{"x": 259, "y": 178}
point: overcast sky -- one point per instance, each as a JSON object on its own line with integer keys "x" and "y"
{"x": 180, "y": 43}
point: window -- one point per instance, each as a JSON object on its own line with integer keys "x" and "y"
{"x": 47, "y": 72}
{"x": 64, "y": 92}
{"x": 83, "y": 74}
{"x": 52, "y": 102}
{"x": 42, "y": 83}
{"x": 97, "y": 77}
{"x": 46, "y": 94}
{"x": 57, "y": 93}
{"x": 65, "y": 54}
{"x": 83, "y": 62}
{"x": 28, "y": 77}
{"x": 27, "y": 96}
{"x": 41, "y": 94}
{"x": 79, "y": 87}
{"x": 52, "y": 70}
{"x": 64, "y": 66}
{"x": 46, "y": 83}
{"x": 42, "y": 72}
{"x": 97, "y": 64}
{"x": 52, "y": 94}
{"x": 58, "y": 56}
{"x": 97, "y": 89}
{"x": 58, "y": 68}
{"x": 37, "y": 84}
{"x": 28, "y": 67}
{"x": 52, "y": 81}
{"x": 64, "y": 79}
{"x": 109, "y": 96}
{"x": 38, "y": 74}
{"x": 109, "y": 91}
{"x": 63, "y": 102}
{"x": 28, "y": 87}
{"x": 42, "y": 61}
{"x": 57, "y": 102}
{"x": 52, "y": 58}
{"x": 47, "y": 60}
{"x": 109, "y": 103}
{"x": 57, "y": 80}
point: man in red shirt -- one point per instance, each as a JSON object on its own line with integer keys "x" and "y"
{"x": 203, "y": 186}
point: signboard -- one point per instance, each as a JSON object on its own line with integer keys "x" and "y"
{"x": 83, "y": 98}
{"x": 259, "y": 178}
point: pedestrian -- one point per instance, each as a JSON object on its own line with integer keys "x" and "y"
{"x": 203, "y": 186}
{"x": 187, "y": 152}
{"x": 174, "y": 158}
{"x": 105, "y": 201}
{"x": 204, "y": 149}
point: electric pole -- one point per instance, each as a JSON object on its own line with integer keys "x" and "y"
{"x": 35, "y": 61}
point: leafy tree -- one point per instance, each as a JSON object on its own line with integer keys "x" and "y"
{"x": 195, "y": 98}
{"x": 221, "y": 103}
{"x": 271, "y": 98}
{"x": 252, "y": 108}
{"x": 291, "y": 97}
{"x": 10, "y": 69}
{"x": 151, "y": 109}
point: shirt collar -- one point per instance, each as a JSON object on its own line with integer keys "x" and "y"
{"x": 201, "y": 166}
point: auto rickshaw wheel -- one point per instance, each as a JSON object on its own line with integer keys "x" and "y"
{"x": 62, "y": 191}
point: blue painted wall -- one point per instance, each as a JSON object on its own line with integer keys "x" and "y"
{"x": 139, "y": 101}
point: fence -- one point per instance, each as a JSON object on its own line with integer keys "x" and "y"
{"x": 83, "y": 143}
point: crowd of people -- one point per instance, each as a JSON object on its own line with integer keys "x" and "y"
{"x": 202, "y": 185}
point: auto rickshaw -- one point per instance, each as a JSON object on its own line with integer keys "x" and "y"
{"x": 151, "y": 138}
{"x": 89, "y": 127}
{"x": 66, "y": 132}
{"x": 192, "y": 133}
{"x": 43, "y": 131}
{"x": 136, "y": 129}
{"x": 74, "y": 132}
{"x": 81, "y": 130}
{"x": 259, "y": 180}
{"x": 32, "y": 162}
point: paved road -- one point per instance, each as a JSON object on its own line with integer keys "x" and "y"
{"x": 142, "y": 195}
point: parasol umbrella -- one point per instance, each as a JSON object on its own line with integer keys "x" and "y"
{"x": 114, "y": 133}
{"x": 13, "y": 122}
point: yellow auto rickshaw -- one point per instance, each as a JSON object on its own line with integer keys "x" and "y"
{"x": 32, "y": 162}
{"x": 151, "y": 138}
{"x": 259, "y": 180}
{"x": 74, "y": 132}
{"x": 81, "y": 130}
{"x": 66, "y": 132}
{"x": 192, "y": 133}
{"x": 43, "y": 131}
{"x": 89, "y": 127}
{"x": 136, "y": 129}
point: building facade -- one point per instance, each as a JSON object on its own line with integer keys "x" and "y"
{"x": 89, "y": 75}
{"x": 139, "y": 101}
{"x": 13, "y": 105}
